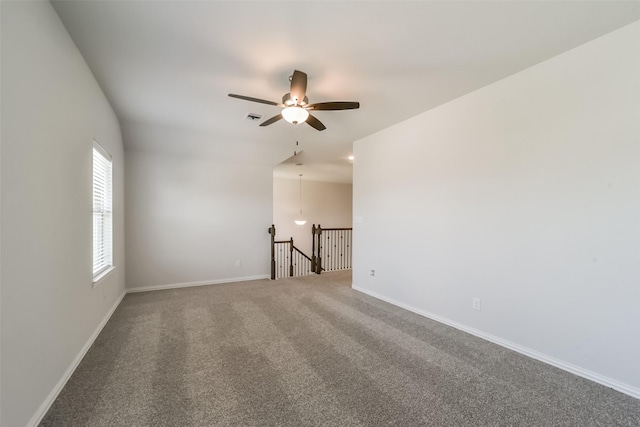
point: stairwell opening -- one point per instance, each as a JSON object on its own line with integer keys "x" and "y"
{"x": 327, "y": 199}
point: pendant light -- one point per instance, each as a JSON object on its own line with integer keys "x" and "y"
{"x": 300, "y": 220}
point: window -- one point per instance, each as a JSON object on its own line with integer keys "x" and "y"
{"x": 102, "y": 213}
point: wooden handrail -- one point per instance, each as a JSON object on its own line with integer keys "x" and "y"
{"x": 302, "y": 253}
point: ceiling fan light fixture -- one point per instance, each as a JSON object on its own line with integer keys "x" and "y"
{"x": 295, "y": 114}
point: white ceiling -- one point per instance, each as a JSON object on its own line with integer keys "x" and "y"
{"x": 171, "y": 64}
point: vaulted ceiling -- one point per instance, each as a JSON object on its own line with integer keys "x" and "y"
{"x": 171, "y": 64}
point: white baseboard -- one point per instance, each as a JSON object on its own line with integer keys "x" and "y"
{"x": 201, "y": 283}
{"x": 574, "y": 369}
{"x": 44, "y": 407}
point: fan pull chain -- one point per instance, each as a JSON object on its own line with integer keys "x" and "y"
{"x": 297, "y": 147}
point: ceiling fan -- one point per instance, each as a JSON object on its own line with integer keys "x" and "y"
{"x": 296, "y": 105}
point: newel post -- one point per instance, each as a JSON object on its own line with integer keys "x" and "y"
{"x": 319, "y": 259}
{"x": 313, "y": 248}
{"x": 291, "y": 257}
{"x": 272, "y": 232}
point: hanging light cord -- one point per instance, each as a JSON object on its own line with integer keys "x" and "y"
{"x": 300, "y": 195}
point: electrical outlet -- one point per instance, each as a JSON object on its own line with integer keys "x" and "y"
{"x": 475, "y": 303}
{"x": 238, "y": 263}
{"x": 373, "y": 273}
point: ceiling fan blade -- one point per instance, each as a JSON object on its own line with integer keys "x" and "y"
{"x": 271, "y": 120}
{"x": 334, "y": 106}
{"x": 298, "y": 86}
{"x": 248, "y": 98}
{"x": 315, "y": 123}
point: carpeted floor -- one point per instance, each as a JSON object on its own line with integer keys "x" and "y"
{"x": 312, "y": 352}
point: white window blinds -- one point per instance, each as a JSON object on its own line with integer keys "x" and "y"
{"x": 102, "y": 211}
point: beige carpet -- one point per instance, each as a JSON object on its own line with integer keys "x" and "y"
{"x": 312, "y": 352}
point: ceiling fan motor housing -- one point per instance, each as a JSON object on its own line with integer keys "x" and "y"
{"x": 288, "y": 101}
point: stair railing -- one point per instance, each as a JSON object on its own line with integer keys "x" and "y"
{"x": 286, "y": 259}
{"x": 331, "y": 248}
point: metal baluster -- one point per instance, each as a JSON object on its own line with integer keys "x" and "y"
{"x": 336, "y": 242}
{"x": 341, "y": 249}
{"x": 332, "y": 248}
{"x": 347, "y": 249}
{"x": 336, "y": 255}
{"x": 344, "y": 248}
{"x": 282, "y": 260}
{"x": 350, "y": 233}
{"x": 327, "y": 242}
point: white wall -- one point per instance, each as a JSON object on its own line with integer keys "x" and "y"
{"x": 190, "y": 219}
{"x": 325, "y": 203}
{"x": 526, "y": 194}
{"x": 52, "y": 107}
